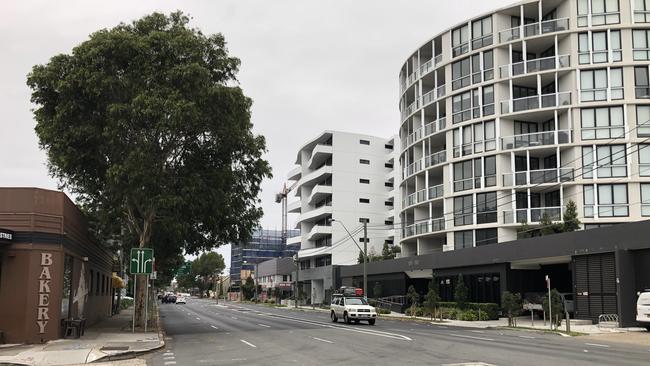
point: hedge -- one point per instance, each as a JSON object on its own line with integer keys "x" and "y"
{"x": 450, "y": 310}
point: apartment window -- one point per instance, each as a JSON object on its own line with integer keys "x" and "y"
{"x": 594, "y": 85}
{"x": 388, "y": 184}
{"x": 364, "y": 200}
{"x": 602, "y": 123}
{"x": 388, "y": 165}
{"x": 364, "y": 240}
{"x": 641, "y": 85}
{"x": 466, "y": 106}
{"x": 468, "y": 174}
{"x": 306, "y": 264}
{"x": 460, "y": 74}
{"x": 477, "y": 138}
{"x": 643, "y": 120}
{"x": 488, "y": 100}
{"x": 645, "y": 199}
{"x": 463, "y": 212}
{"x": 364, "y": 181}
{"x": 364, "y": 219}
{"x": 612, "y": 200}
{"x": 364, "y": 142}
{"x": 642, "y": 11}
{"x": 463, "y": 176}
{"x": 461, "y": 107}
{"x": 463, "y": 239}
{"x": 486, "y": 207}
{"x": 326, "y": 202}
{"x": 644, "y": 160}
{"x": 602, "y": 12}
{"x": 482, "y": 32}
{"x": 610, "y": 160}
{"x": 490, "y": 163}
{"x": 323, "y": 242}
{"x": 460, "y": 40}
{"x": 388, "y": 203}
{"x": 388, "y": 222}
{"x": 323, "y": 261}
{"x": 488, "y": 65}
{"x": 388, "y": 146}
{"x": 641, "y": 44}
{"x": 588, "y": 199}
{"x": 486, "y": 236}
{"x": 596, "y": 49}
{"x": 364, "y": 161}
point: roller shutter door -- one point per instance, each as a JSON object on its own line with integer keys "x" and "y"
{"x": 595, "y": 284}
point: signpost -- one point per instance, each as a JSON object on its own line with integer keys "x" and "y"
{"x": 550, "y": 306}
{"x": 142, "y": 262}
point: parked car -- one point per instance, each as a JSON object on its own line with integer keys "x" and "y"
{"x": 643, "y": 309}
{"x": 180, "y": 300}
{"x": 169, "y": 299}
{"x": 352, "y": 308}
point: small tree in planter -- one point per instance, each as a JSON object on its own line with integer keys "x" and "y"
{"x": 377, "y": 290}
{"x": 432, "y": 298}
{"x": 413, "y": 297}
{"x": 556, "y": 308}
{"x": 460, "y": 292}
{"x": 511, "y": 304}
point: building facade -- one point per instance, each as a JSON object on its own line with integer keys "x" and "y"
{"x": 507, "y": 117}
{"x": 264, "y": 244}
{"x": 50, "y": 267}
{"x": 275, "y": 277}
{"x": 341, "y": 180}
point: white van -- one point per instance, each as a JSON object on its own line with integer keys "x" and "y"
{"x": 643, "y": 309}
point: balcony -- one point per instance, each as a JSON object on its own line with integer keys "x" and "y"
{"x": 294, "y": 174}
{"x": 425, "y": 227}
{"x": 423, "y": 195}
{"x": 426, "y": 67}
{"x": 435, "y": 159}
{"x": 541, "y": 176}
{"x": 294, "y": 240}
{"x": 536, "y": 65}
{"x": 294, "y": 207}
{"x": 475, "y": 147}
{"x": 532, "y": 215}
{"x": 411, "y": 108}
{"x": 423, "y": 132}
{"x": 319, "y": 193}
{"x": 536, "y": 102}
{"x": 534, "y": 29}
{"x": 319, "y": 155}
{"x": 324, "y": 171}
{"x": 319, "y": 231}
{"x": 536, "y": 139}
{"x": 316, "y": 214}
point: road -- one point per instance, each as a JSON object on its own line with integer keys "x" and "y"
{"x": 204, "y": 333}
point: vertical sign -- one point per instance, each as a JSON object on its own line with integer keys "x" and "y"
{"x": 141, "y": 261}
{"x": 44, "y": 279}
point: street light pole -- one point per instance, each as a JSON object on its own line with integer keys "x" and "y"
{"x": 255, "y": 282}
{"x": 295, "y": 295}
{"x": 364, "y": 250}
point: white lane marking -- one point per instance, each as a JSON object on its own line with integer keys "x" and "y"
{"x": 264, "y": 325}
{"x": 248, "y": 343}
{"x": 234, "y": 317}
{"x": 168, "y": 354}
{"x": 197, "y": 318}
{"x": 168, "y": 358}
{"x": 527, "y": 337}
{"x": 471, "y": 337}
{"x": 214, "y": 327}
{"x": 597, "y": 345}
{"x": 170, "y": 362}
{"x": 477, "y": 331}
{"x": 322, "y": 340}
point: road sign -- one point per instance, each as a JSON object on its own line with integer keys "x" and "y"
{"x": 141, "y": 261}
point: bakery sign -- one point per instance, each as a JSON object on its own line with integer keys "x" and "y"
{"x": 6, "y": 236}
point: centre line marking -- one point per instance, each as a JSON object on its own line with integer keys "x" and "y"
{"x": 197, "y": 318}
{"x": 323, "y": 340}
{"x": 527, "y": 337}
{"x": 471, "y": 337}
{"x": 264, "y": 325}
{"x": 170, "y": 362}
{"x": 233, "y": 317}
{"x": 214, "y": 327}
{"x": 478, "y": 331}
{"x": 597, "y": 345}
{"x": 250, "y": 344}
{"x": 168, "y": 358}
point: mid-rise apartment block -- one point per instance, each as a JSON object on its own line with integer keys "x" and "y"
{"x": 341, "y": 180}
{"x": 508, "y": 116}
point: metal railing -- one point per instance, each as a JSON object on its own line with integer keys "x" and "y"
{"x": 460, "y": 49}
{"x": 536, "y": 139}
{"x": 435, "y": 158}
{"x": 533, "y": 29}
{"x": 483, "y": 41}
{"x": 534, "y": 214}
{"x": 429, "y": 226}
{"x": 423, "y": 195}
{"x": 536, "y": 102}
{"x": 536, "y": 65}
{"x": 540, "y": 176}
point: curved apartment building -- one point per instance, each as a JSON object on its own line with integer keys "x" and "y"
{"x": 507, "y": 117}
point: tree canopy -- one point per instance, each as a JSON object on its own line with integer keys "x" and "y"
{"x": 146, "y": 125}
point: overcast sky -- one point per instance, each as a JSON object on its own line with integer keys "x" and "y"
{"x": 307, "y": 65}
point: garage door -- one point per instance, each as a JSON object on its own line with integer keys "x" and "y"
{"x": 595, "y": 283}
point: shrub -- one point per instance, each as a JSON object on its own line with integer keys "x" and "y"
{"x": 126, "y": 303}
{"x": 489, "y": 311}
{"x": 382, "y": 311}
{"x": 468, "y": 315}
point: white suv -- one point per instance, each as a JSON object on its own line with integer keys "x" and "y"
{"x": 643, "y": 309}
{"x": 352, "y": 308}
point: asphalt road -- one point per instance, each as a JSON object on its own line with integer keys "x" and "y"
{"x": 204, "y": 333}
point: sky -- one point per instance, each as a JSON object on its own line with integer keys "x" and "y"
{"x": 307, "y": 65}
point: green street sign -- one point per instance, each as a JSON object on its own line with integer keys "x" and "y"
{"x": 141, "y": 261}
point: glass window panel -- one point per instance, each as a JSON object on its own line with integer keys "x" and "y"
{"x": 478, "y": 132}
{"x": 587, "y": 117}
{"x": 616, "y": 77}
{"x": 588, "y": 193}
{"x": 639, "y": 39}
{"x": 620, "y": 193}
{"x": 597, "y": 6}
{"x": 618, "y": 155}
{"x": 615, "y": 39}
{"x": 605, "y": 194}
{"x": 487, "y": 25}
{"x": 489, "y": 130}
{"x": 644, "y": 154}
{"x": 457, "y": 137}
{"x": 602, "y": 117}
{"x": 600, "y": 79}
{"x": 587, "y": 161}
{"x": 645, "y": 193}
{"x": 600, "y": 41}
{"x": 616, "y": 116}
{"x": 583, "y": 42}
{"x": 583, "y": 7}
{"x": 641, "y": 76}
{"x": 611, "y": 5}
{"x": 586, "y": 80}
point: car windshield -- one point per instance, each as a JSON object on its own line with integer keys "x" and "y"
{"x": 355, "y": 301}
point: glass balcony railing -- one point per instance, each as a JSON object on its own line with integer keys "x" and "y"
{"x": 540, "y": 176}
{"x": 536, "y": 102}
{"x": 482, "y": 41}
{"x": 435, "y": 191}
{"x": 423, "y": 132}
{"x": 411, "y": 78}
{"x": 536, "y": 139}
{"x": 534, "y": 29}
{"x": 536, "y": 65}
{"x": 532, "y": 215}
{"x": 429, "y": 226}
{"x": 460, "y": 49}
{"x": 435, "y": 158}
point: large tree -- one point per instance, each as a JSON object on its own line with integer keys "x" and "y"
{"x": 206, "y": 268}
{"x": 146, "y": 120}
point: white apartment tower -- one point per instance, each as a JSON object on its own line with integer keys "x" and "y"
{"x": 341, "y": 180}
{"x": 508, "y": 116}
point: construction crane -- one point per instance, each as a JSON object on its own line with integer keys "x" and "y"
{"x": 281, "y": 197}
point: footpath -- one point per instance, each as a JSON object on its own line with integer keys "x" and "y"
{"x": 111, "y": 339}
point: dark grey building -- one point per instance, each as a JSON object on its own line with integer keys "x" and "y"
{"x": 603, "y": 268}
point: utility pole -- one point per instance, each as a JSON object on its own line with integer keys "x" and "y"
{"x": 550, "y": 304}
{"x": 295, "y": 295}
{"x": 365, "y": 258}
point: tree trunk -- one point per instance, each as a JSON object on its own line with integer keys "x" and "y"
{"x": 144, "y": 234}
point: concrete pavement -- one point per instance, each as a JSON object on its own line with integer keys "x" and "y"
{"x": 204, "y": 333}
